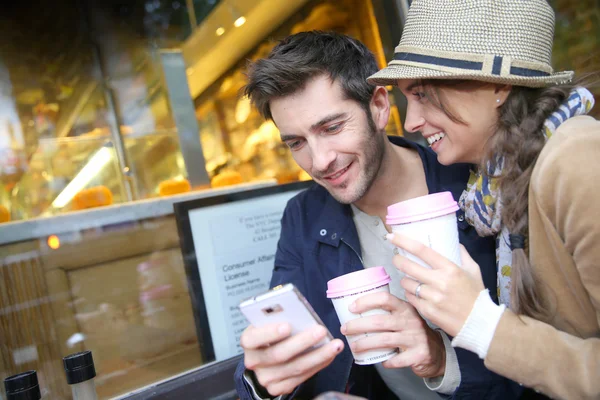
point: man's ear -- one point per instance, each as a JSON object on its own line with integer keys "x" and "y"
{"x": 380, "y": 107}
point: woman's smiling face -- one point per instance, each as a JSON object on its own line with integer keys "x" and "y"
{"x": 456, "y": 119}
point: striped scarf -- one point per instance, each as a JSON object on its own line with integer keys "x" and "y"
{"x": 482, "y": 201}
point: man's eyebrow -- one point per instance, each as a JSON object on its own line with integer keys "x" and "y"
{"x": 285, "y": 138}
{"x": 326, "y": 120}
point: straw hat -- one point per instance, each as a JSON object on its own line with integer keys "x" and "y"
{"x": 500, "y": 41}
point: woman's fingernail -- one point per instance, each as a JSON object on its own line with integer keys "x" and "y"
{"x": 352, "y": 307}
{"x": 343, "y": 329}
{"x": 389, "y": 236}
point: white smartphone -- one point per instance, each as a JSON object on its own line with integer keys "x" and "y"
{"x": 283, "y": 303}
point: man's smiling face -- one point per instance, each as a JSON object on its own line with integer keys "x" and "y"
{"x": 331, "y": 137}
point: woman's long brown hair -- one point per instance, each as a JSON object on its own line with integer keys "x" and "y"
{"x": 519, "y": 138}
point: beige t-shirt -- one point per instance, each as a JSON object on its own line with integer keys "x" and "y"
{"x": 378, "y": 251}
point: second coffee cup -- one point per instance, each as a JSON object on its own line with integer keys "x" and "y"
{"x": 431, "y": 220}
{"x": 346, "y": 289}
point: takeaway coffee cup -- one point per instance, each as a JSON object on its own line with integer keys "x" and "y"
{"x": 344, "y": 290}
{"x": 431, "y": 220}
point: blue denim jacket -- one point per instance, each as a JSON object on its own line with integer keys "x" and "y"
{"x": 319, "y": 242}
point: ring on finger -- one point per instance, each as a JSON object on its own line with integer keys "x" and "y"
{"x": 418, "y": 291}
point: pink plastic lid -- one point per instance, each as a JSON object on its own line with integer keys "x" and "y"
{"x": 420, "y": 208}
{"x": 353, "y": 282}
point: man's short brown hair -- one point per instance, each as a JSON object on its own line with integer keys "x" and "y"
{"x": 301, "y": 57}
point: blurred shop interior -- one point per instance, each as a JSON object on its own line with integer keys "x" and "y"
{"x": 88, "y": 115}
{"x": 112, "y": 110}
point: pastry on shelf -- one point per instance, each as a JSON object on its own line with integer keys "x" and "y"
{"x": 4, "y": 214}
{"x": 173, "y": 186}
{"x": 96, "y": 196}
{"x": 226, "y": 178}
{"x": 288, "y": 176}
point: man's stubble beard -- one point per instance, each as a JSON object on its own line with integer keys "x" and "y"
{"x": 374, "y": 145}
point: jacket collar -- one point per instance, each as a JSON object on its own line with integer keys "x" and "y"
{"x": 335, "y": 224}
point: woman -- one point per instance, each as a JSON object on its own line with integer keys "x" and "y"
{"x": 481, "y": 90}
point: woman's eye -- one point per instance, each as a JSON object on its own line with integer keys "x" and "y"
{"x": 419, "y": 95}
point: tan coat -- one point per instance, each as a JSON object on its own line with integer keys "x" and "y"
{"x": 561, "y": 360}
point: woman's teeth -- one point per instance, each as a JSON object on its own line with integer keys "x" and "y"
{"x": 434, "y": 138}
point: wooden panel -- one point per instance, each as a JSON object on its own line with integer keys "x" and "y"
{"x": 91, "y": 285}
{"x": 27, "y": 334}
{"x": 65, "y": 323}
{"x": 151, "y": 371}
{"x": 95, "y": 247}
{"x": 130, "y": 347}
{"x": 10, "y": 253}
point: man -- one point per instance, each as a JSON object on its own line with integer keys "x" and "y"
{"x": 313, "y": 86}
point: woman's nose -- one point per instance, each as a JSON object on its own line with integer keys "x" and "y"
{"x": 414, "y": 120}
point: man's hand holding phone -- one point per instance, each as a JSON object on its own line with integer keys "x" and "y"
{"x": 282, "y": 362}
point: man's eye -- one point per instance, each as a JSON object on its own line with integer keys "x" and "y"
{"x": 294, "y": 144}
{"x": 333, "y": 128}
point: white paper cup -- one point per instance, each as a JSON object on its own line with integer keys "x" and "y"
{"x": 344, "y": 290}
{"x": 431, "y": 220}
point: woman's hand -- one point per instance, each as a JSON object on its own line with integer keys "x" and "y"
{"x": 447, "y": 292}
{"x": 422, "y": 348}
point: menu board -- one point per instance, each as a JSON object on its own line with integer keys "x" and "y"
{"x": 229, "y": 244}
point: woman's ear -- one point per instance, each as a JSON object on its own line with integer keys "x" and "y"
{"x": 501, "y": 92}
{"x": 380, "y": 107}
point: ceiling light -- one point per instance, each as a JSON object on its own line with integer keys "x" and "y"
{"x": 220, "y": 31}
{"x": 240, "y": 21}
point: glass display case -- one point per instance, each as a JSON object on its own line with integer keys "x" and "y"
{"x": 99, "y": 119}
{"x": 82, "y": 110}
{"x": 76, "y": 173}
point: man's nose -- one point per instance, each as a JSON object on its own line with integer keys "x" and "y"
{"x": 323, "y": 156}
